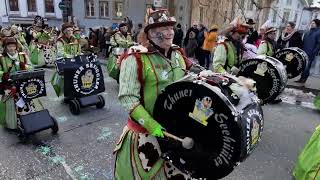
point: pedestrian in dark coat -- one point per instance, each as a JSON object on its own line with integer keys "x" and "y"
{"x": 290, "y": 38}
{"x": 311, "y": 45}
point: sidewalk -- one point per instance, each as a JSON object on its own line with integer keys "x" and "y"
{"x": 312, "y": 85}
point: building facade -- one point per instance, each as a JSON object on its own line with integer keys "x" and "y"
{"x": 22, "y": 12}
{"x": 96, "y": 13}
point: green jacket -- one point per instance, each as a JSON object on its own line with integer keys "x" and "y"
{"x": 225, "y": 57}
{"x": 138, "y": 97}
{"x": 119, "y": 40}
{"x": 21, "y": 62}
{"x": 265, "y": 48}
{"x": 67, "y": 50}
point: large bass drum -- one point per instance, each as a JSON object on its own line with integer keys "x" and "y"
{"x": 294, "y": 59}
{"x": 223, "y": 136}
{"x": 270, "y": 76}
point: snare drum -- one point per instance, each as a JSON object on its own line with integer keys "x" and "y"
{"x": 270, "y": 76}
{"x": 294, "y": 59}
{"x": 223, "y": 135}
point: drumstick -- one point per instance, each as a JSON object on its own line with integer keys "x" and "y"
{"x": 187, "y": 142}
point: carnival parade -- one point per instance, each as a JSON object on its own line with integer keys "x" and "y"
{"x": 168, "y": 96}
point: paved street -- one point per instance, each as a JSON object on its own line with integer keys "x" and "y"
{"x": 83, "y": 147}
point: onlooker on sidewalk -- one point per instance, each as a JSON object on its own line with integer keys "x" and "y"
{"x": 191, "y": 43}
{"x": 200, "y": 38}
{"x": 290, "y": 38}
{"x": 136, "y": 32}
{"x": 178, "y": 35}
{"x": 311, "y": 45}
{"x": 253, "y": 35}
{"x": 210, "y": 42}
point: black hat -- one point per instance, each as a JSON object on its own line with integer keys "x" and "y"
{"x": 158, "y": 18}
{"x": 250, "y": 22}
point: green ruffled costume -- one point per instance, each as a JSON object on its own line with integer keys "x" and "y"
{"x": 156, "y": 73}
{"x": 8, "y": 113}
{"x": 65, "y": 50}
{"x": 41, "y": 51}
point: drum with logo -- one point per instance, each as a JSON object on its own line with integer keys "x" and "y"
{"x": 30, "y": 84}
{"x": 270, "y": 76}
{"x": 83, "y": 81}
{"x": 223, "y": 136}
{"x": 294, "y": 59}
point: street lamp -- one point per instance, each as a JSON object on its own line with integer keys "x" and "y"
{"x": 119, "y": 14}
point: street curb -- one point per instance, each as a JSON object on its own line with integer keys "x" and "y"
{"x": 304, "y": 89}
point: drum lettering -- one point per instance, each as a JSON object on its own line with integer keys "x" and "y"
{"x": 218, "y": 161}
{"x": 223, "y": 126}
{"x": 220, "y": 118}
{"x": 248, "y": 134}
{"x": 166, "y": 106}
{"x": 168, "y": 103}
{"x": 225, "y": 156}
{"x": 226, "y": 132}
{"x": 228, "y": 139}
{"x": 248, "y": 64}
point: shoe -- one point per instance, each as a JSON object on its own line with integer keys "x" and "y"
{"x": 276, "y": 101}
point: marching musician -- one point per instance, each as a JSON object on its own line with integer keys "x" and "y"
{"x": 122, "y": 38}
{"x": 20, "y": 37}
{"x": 12, "y": 61}
{"x": 144, "y": 73}
{"x": 42, "y": 51}
{"x": 267, "y": 46}
{"x": 228, "y": 54}
{"x": 67, "y": 47}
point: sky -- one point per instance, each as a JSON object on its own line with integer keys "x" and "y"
{"x": 316, "y": 3}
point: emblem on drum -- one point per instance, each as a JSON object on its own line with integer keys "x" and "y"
{"x": 255, "y": 132}
{"x": 262, "y": 68}
{"x": 289, "y": 57}
{"x": 202, "y": 110}
{"x": 32, "y": 88}
{"x": 86, "y": 79}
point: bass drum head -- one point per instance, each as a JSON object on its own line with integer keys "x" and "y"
{"x": 294, "y": 59}
{"x": 269, "y": 74}
{"x": 201, "y": 112}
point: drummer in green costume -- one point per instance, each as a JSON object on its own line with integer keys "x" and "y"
{"x": 143, "y": 75}
{"x": 41, "y": 48}
{"x": 267, "y": 46}
{"x": 122, "y": 38}
{"x": 20, "y": 37}
{"x": 11, "y": 61}
{"x": 228, "y": 54}
{"x": 67, "y": 47}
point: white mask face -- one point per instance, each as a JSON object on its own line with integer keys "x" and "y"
{"x": 162, "y": 36}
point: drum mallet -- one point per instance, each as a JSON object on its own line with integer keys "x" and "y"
{"x": 187, "y": 142}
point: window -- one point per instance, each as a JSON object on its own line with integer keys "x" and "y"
{"x": 274, "y": 18}
{"x": 89, "y": 8}
{"x": 14, "y": 5}
{"x": 295, "y": 17}
{"x": 104, "y": 8}
{"x": 201, "y": 14}
{"x": 289, "y": 2}
{"x": 32, "y": 7}
{"x": 250, "y": 6}
{"x": 286, "y": 15}
{"x": 118, "y": 9}
{"x": 49, "y": 6}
